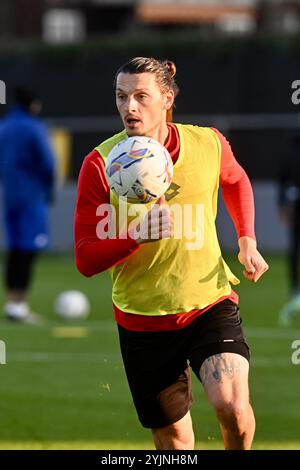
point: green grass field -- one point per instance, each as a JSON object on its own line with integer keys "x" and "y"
{"x": 66, "y": 389}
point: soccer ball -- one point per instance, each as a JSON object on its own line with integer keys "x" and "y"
{"x": 290, "y": 311}
{"x": 139, "y": 169}
{"x": 72, "y": 305}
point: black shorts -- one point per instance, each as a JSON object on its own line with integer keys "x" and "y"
{"x": 157, "y": 363}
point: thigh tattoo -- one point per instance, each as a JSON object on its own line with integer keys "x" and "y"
{"x": 220, "y": 366}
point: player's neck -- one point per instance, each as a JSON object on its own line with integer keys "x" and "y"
{"x": 161, "y": 134}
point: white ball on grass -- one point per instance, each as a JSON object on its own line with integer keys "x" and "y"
{"x": 72, "y": 305}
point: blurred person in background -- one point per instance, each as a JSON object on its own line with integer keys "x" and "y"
{"x": 27, "y": 169}
{"x": 175, "y": 308}
{"x": 289, "y": 207}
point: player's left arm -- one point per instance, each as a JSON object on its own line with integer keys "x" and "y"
{"x": 238, "y": 197}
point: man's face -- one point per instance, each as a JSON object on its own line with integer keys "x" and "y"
{"x": 141, "y": 103}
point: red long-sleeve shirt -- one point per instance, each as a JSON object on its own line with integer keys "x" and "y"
{"x": 93, "y": 255}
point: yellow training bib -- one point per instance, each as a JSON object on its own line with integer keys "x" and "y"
{"x": 186, "y": 272}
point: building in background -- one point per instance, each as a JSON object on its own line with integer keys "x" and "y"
{"x": 65, "y": 21}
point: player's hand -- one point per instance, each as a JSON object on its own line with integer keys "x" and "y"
{"x": 158, "y": 223}
{"x": 249, "y": 256}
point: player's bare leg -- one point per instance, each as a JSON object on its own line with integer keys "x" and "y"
{"x": 16, "y": 295}
{"x": 225, "y": 381}
{"x": 179, "y": 435}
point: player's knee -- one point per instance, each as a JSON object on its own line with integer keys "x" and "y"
{"x": 234, "y": 414}
{"x": 173, "y": 437}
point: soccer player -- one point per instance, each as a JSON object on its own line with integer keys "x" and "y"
{"x": 27, "y": 174}
{"x": 174, "y": 307}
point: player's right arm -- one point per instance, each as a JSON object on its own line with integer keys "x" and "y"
{"x": 92, "y": 254}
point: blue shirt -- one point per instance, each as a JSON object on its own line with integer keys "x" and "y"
{"x": 27, "y": 169}
{"x": 26, "y": 160}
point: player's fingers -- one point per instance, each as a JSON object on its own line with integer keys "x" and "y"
{"x": 164, "y": 218}
{"x": 166, "y": 233}
{"x": 166, "y": 227}
{"x": 249, "y": 266}
{"x": 160, "y": 223}
{"x": 261, "y": 268}
{"x": 263, "y": 264}
{"x": 164, "y": 210}
{"x": 249, "y": 276}
{"x": 161, "y": 200}
{"x": 158, "y": 212}
{"x": 246, "y": 261}
{"x": 154, "y": 212}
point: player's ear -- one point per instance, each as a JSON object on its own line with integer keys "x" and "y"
{"x": 168, "y": 99}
